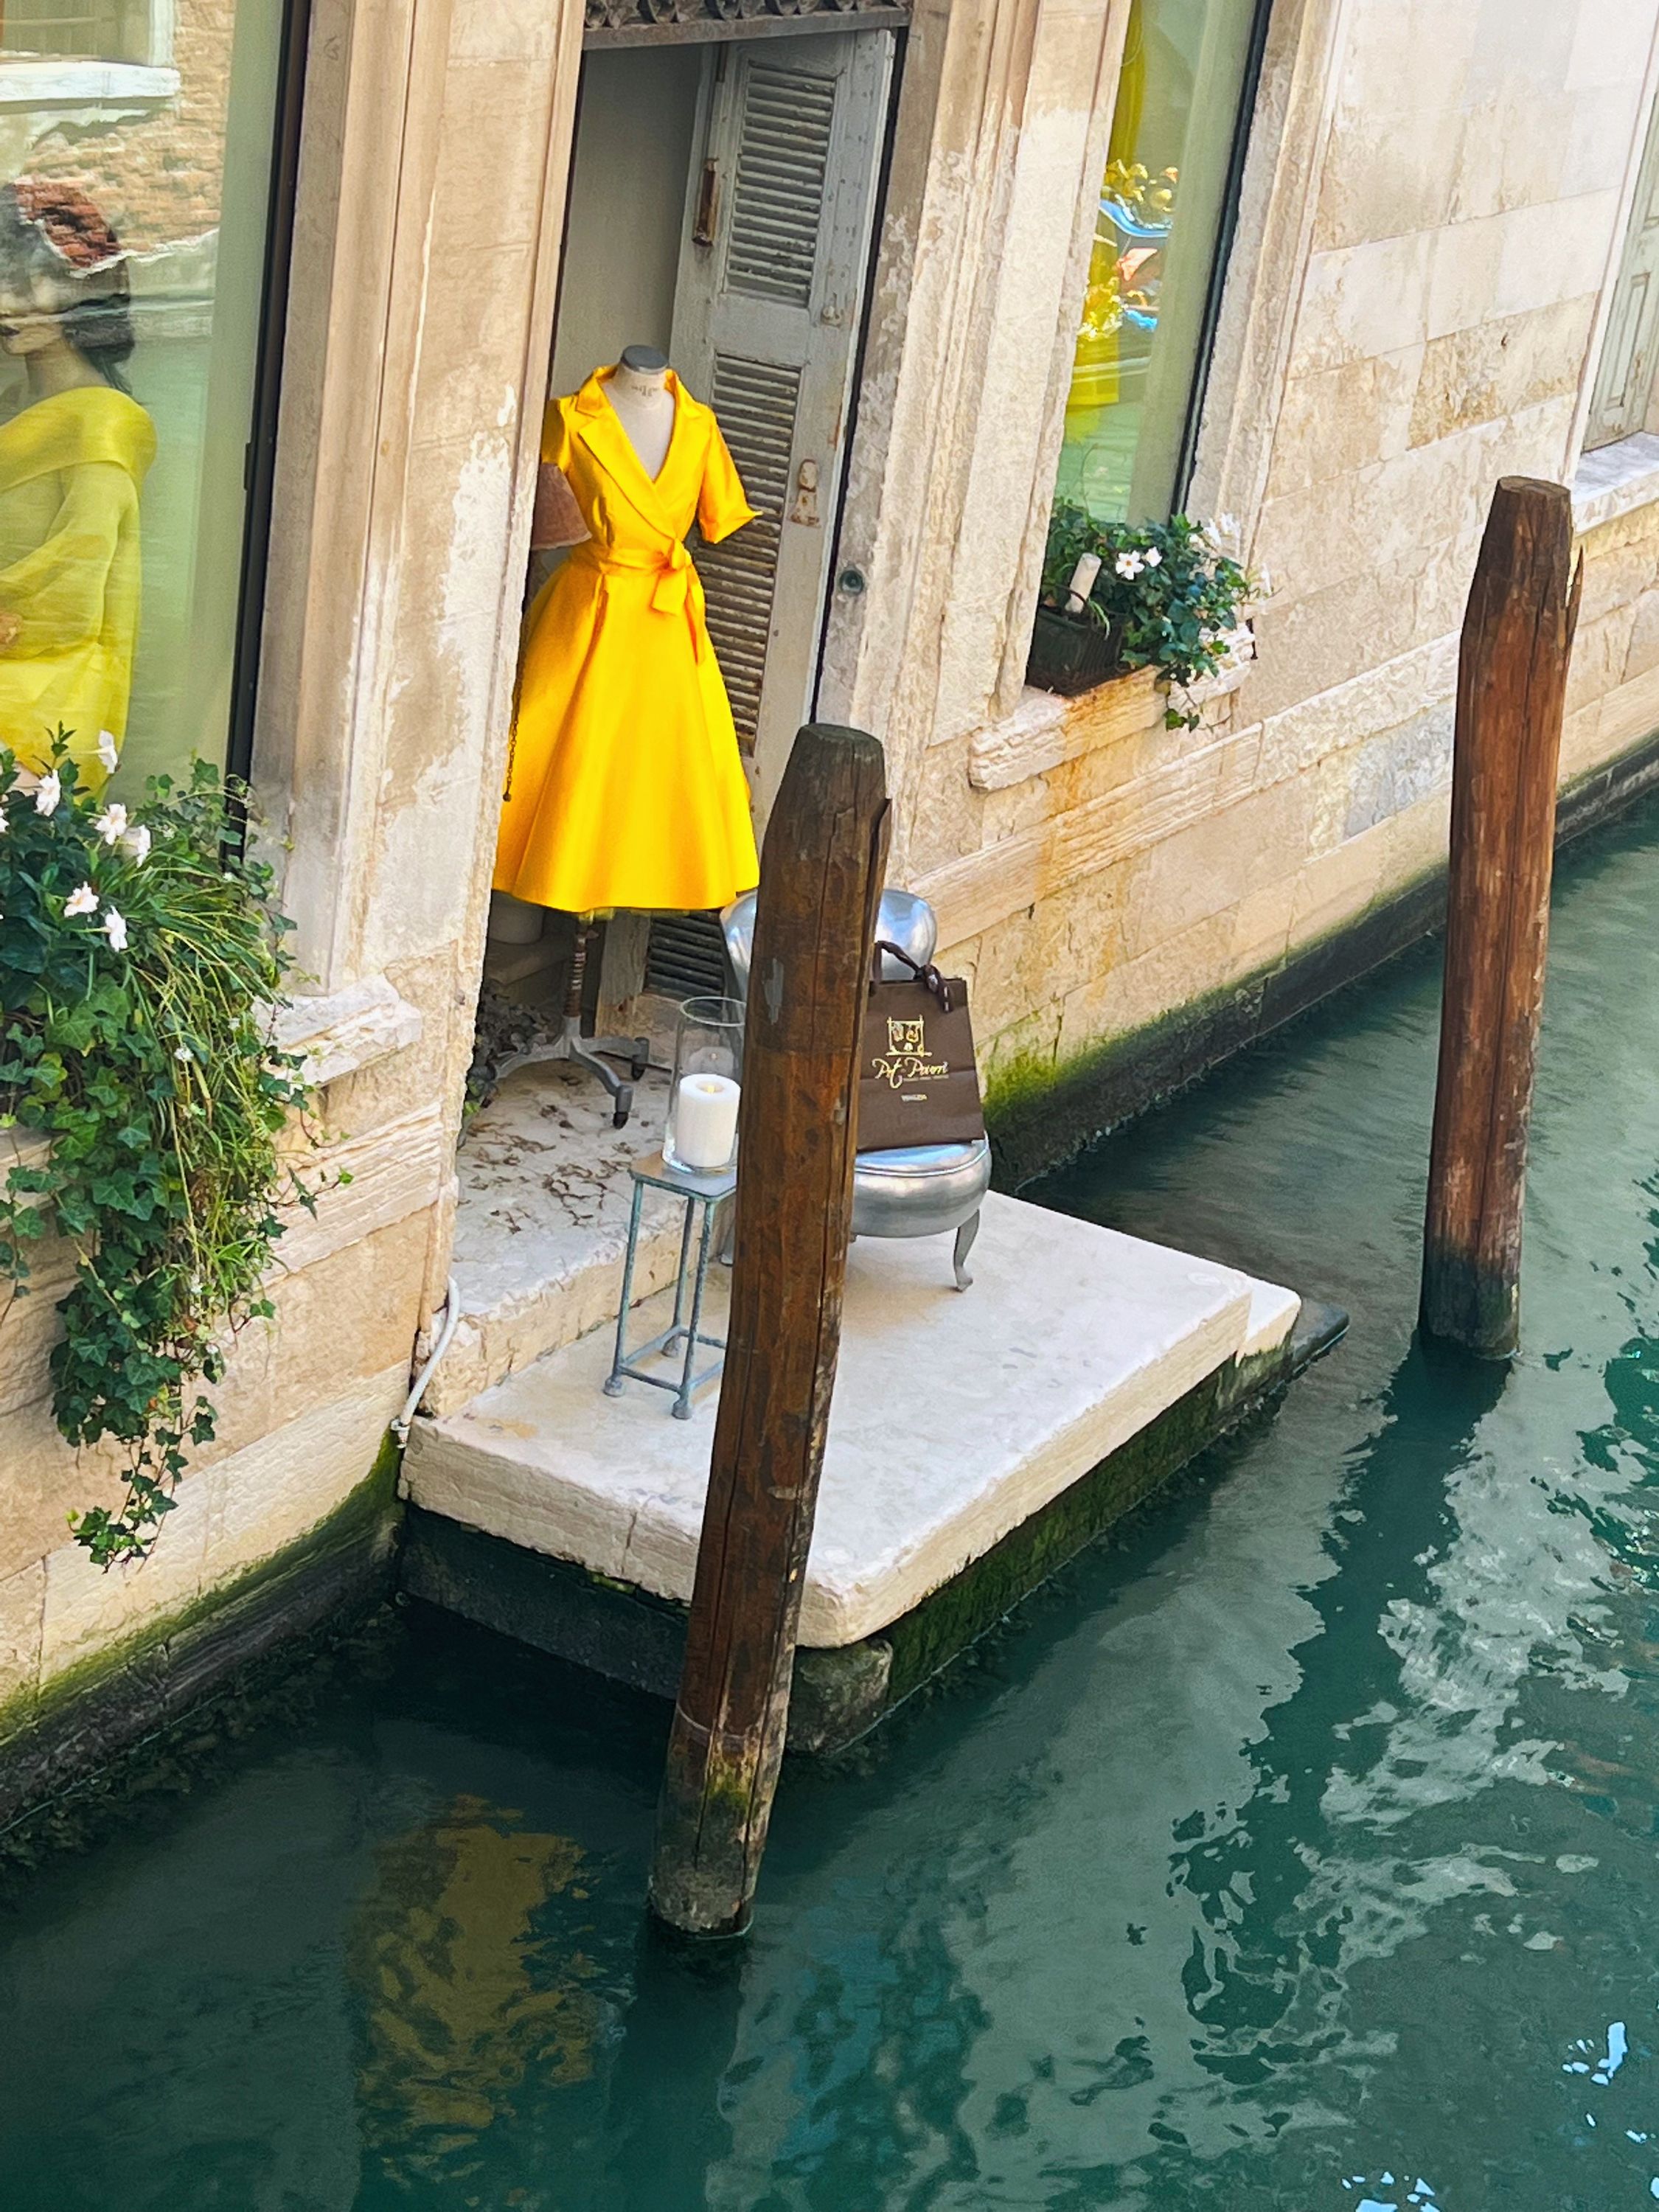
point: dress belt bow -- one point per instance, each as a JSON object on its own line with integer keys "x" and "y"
{"x": 679, "y": 587}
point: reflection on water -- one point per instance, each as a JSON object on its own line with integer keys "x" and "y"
{"x": 1297, "y": 1853}
{"x": 463, "y": 2000}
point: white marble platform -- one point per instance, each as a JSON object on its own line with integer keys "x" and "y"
{"x": 955, "y": 1416}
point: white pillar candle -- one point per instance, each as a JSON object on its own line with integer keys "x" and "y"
{"x": 705, "y": 1121}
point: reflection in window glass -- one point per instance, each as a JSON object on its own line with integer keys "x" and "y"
{"x": 135, "y": 164}
{"x": 1161, "y": 205}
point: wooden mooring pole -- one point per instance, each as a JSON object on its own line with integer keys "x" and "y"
{"x": 821, "y": 876}
{"x": 1511, "y": 692}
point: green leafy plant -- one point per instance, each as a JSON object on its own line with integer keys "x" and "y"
{"x": 140, "y": 959}
{"x": 1173, "y": 597}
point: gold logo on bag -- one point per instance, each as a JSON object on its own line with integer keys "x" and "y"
{"x": 906, "y": 1036}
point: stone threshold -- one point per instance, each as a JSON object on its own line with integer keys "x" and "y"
{"x": 976, "y": 1441}
{"x": 1615, "y": 480}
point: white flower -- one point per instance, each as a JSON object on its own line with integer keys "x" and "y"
{"x": 1130, "y": 565}
{"x": 47, "y": 794}
{"x": 112, "y": 823}
{"x": 109, "y": 753}
{"x": 1154, "y": 558}
{"x": 115, "y": 928}
{"x": 137, "y": 843}
{"x": 84, "y": 901}
{"x": 183, "y": 1052}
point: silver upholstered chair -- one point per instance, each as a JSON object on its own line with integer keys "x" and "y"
{"x": 916, "y": 1190}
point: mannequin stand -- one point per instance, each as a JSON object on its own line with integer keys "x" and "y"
{"x": 567, "y": 1042}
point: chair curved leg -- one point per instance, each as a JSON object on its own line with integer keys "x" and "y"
{"x": 964, "y": 1244}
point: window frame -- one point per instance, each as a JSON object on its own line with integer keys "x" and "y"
{"x": 260, "y": 464}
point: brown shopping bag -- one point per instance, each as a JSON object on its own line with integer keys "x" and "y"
{"x": 917, "y": 1081}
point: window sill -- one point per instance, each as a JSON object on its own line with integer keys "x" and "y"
{"x": 42, "y": 81}
{"x": 1046, "y": 730}
{"x": 1616, "y": 480}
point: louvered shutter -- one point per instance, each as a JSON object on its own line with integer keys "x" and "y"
{"x": 765, "y": 322}
{"x": 1623, "y": 379}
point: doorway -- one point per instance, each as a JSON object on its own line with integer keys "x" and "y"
{"x": 721, "y": 208}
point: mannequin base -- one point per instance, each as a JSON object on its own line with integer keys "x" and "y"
{"x": 567, "y": 1042}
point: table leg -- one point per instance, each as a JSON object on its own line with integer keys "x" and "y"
{"x": 683, "y": 1402}
{"x": 613, "y": 1384}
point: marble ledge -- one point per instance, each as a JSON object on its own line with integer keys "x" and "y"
{"x": 1615, "y": 480}
{"x": 338, "y": 1033}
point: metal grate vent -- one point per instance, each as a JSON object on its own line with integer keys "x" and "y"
{"x": 685, "y": 957}
{"x": 777, "y": 199}
{"x": 754, "y": 403}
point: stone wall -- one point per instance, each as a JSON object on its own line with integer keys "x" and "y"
{"x": 1096, "y": 873}
{"x": 392, "y": 627}
{"x": 304, "y": 1409}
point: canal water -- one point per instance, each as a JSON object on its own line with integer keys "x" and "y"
{"x": 1296, "y": 1853}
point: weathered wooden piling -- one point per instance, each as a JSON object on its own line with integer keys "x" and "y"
{"x": 1511, "y": 692}
{"x": 821, "y": 875}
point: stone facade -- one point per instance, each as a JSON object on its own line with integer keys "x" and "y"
{"x": 1452, "y": 241}
{"x": 1431, "y": 209}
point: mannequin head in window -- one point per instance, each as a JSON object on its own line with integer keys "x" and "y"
{"x": 64, "y": 307}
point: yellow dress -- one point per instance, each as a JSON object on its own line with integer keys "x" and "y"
{"x": 71, "y": 467}
{"x": 624, "y": 787}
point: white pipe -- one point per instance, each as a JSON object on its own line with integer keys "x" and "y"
{"x": 446, "y": 1338}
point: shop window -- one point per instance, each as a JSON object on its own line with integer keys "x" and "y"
{"x": 1622, "y": 398}
{"x": 135, "y": 158}
{"x": 1170, "y": 169}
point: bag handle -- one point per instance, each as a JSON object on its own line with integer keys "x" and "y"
{"x": 925, "y": 973}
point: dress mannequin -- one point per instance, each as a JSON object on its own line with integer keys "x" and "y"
{"x": 624, "y": 786}
{"x": 645, "y": 406}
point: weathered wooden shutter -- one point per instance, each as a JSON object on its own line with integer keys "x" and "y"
{"x": 1623, "y": 380}
{"x": 765, "y": 323}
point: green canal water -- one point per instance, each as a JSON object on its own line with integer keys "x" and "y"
{"x": 1298, "y": 1852}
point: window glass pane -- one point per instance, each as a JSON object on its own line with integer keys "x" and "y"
{"x": 136, "y": 148}
{"x": 1161, "y": 205}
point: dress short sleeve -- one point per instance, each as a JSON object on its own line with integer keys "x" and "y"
{"x": 555, "y": 434}
{"x": 721, "y": 505}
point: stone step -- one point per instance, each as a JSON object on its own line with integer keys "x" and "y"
{"x": 958, "y": 1416}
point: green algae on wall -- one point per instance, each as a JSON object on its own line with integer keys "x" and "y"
{"x": 53, "y": 1736}
{"x": 1041, "y": 1112}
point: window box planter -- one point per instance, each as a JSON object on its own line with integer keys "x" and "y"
{"x": 1072, "y": 654}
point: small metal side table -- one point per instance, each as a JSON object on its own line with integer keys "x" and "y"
{"x": 702, "y": 1194}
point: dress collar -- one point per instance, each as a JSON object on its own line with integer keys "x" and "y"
{"x": 602, "y": 431}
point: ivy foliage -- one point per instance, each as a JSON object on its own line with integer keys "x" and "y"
{"x": 1174, "y": 598}
{"x": 140, "y": 959}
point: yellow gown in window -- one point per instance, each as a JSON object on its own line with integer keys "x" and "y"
{"x": 624, "y": 787}
{"x": 71, "y": 468}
